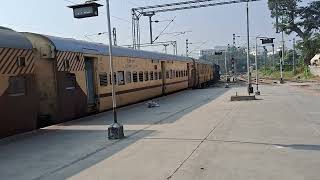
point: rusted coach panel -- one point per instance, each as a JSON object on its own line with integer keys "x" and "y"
{"x": 18, "y": 97}
{"x": 66, "y": 78}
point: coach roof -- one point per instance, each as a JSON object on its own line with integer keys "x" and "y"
{"x": 12, "y": 39}
{"x": 73, "y": 45}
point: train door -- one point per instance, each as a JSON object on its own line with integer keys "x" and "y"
{"x": 89, "y": 71}
{"x": 163, "y": 73}
{"x": 191, "y": 75}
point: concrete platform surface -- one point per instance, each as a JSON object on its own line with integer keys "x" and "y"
{"x": 194, "y": 134}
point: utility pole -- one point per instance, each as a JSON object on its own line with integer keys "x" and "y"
{"x": 165, "y": 48}
{"x": 293, "y": 56}
{"x": 114, "y": 33}
{"x": 250, "y": 90}
{"x": 175, "y": 47}
{"x": 265, "y": 57}
{"x": 273, "y": 65}
{"x": 256, "y": 64}
{"x": 225, "y": 61}
{"x": 115, "y": 131}
{"x": 282, "y": 59}
{"x": 150, "y": 23}
{"x": 233, "y": 63}
{"x": 187, "y": 47}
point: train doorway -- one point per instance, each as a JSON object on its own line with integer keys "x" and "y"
{"x": 89, "y": 70}
{"x": 190, "y": 76}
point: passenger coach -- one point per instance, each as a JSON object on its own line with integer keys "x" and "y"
{"x": 46, "y": 80}
{"x": 18, "y": 97}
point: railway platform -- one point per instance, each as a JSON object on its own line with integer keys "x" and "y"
{"x": 194, "y": 134}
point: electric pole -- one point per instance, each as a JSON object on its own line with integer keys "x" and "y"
{"x": 282, "y": 59}
{"x": 187, "y": 47}
{"x": 165, "y": 48}
{"x": 273, "y": 65}
{"x": 250, "y": 89}
{"x": 293, "y": 56}
{"x": 114, "y": 34}
{"x": 233, "y": 63}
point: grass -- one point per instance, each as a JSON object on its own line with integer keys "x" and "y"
{"x": 302, "y": 73}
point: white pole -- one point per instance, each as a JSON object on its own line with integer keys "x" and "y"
{"x": 114, "y": 100}
{"x": 248, "y": 49}
{"x": 225, "y": 61}
{"x": 282, "y": 58}
{"x": 293, "y": 56}
{"x": 115, "y": 131}
{"x": 256, "y": 63}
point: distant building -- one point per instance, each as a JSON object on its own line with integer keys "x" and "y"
{"x": 208, "y": 52}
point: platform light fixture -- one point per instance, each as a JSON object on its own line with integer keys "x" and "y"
{"x": 86, "y": 10}
{"x": 90, "y": 9}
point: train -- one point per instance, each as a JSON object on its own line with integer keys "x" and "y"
{"x": 46, "y": 80}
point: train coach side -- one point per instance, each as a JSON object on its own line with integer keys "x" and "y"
{"x": 140, "y": 75}
{"x": 18, "y": 97}
{"x": 205, "y": 73}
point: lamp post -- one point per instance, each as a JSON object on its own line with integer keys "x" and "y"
{"x": 115, "y": 131}
{"x": 282, "y": 59}
{"x": 90, "y": 9}
{"x": 265, "y": 40}
{"x": 294, "y": 56}
{"x": 250, "y": 89}
{"x": 256, "y": 63}
{"x": 273, "y": 65}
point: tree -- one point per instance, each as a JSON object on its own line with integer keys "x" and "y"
{"x": 294, "y": 17}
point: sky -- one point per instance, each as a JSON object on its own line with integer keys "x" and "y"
{"x": 211, "y": 26}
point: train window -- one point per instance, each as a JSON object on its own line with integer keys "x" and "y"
{"x": 114, "y": 78}
{"x": 70, "y": 81}
{"x": 167, "y": 75}
{"x": 66, "y": 64}
{"x": 177, "y": 73}
{"x": 160, "y": 75}
{"x": 146, "y": 76}
{"x": 21, "y": 61}
{"x": 156, "y": 76}
{"x": 141, "y": 76}
{"x": 17, "y": 86}
{"x": 121, "y": 78}
{"x": 135, "y": 77}
{"x": 103, "y": 79}
{"x": 128, "y": 77}
{"x": 151, "y": 75}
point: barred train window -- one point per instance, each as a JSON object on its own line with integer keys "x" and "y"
{"x": 141, "y": 76}
{"x": 151, "y": 75}
{"x": 17, "y": 86}
{"x": 70, "y": 81}
{"x": 114, "y": 78}
{"x": 146, "y": 74}
{"x": 103, "y": 79}
{"x": 160, "y": 75}
{"x": 121, "y": 78}
{"x": 129, "y": 77}
{"x": 155, "y": 75}
{"x": 135, "y": 77}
